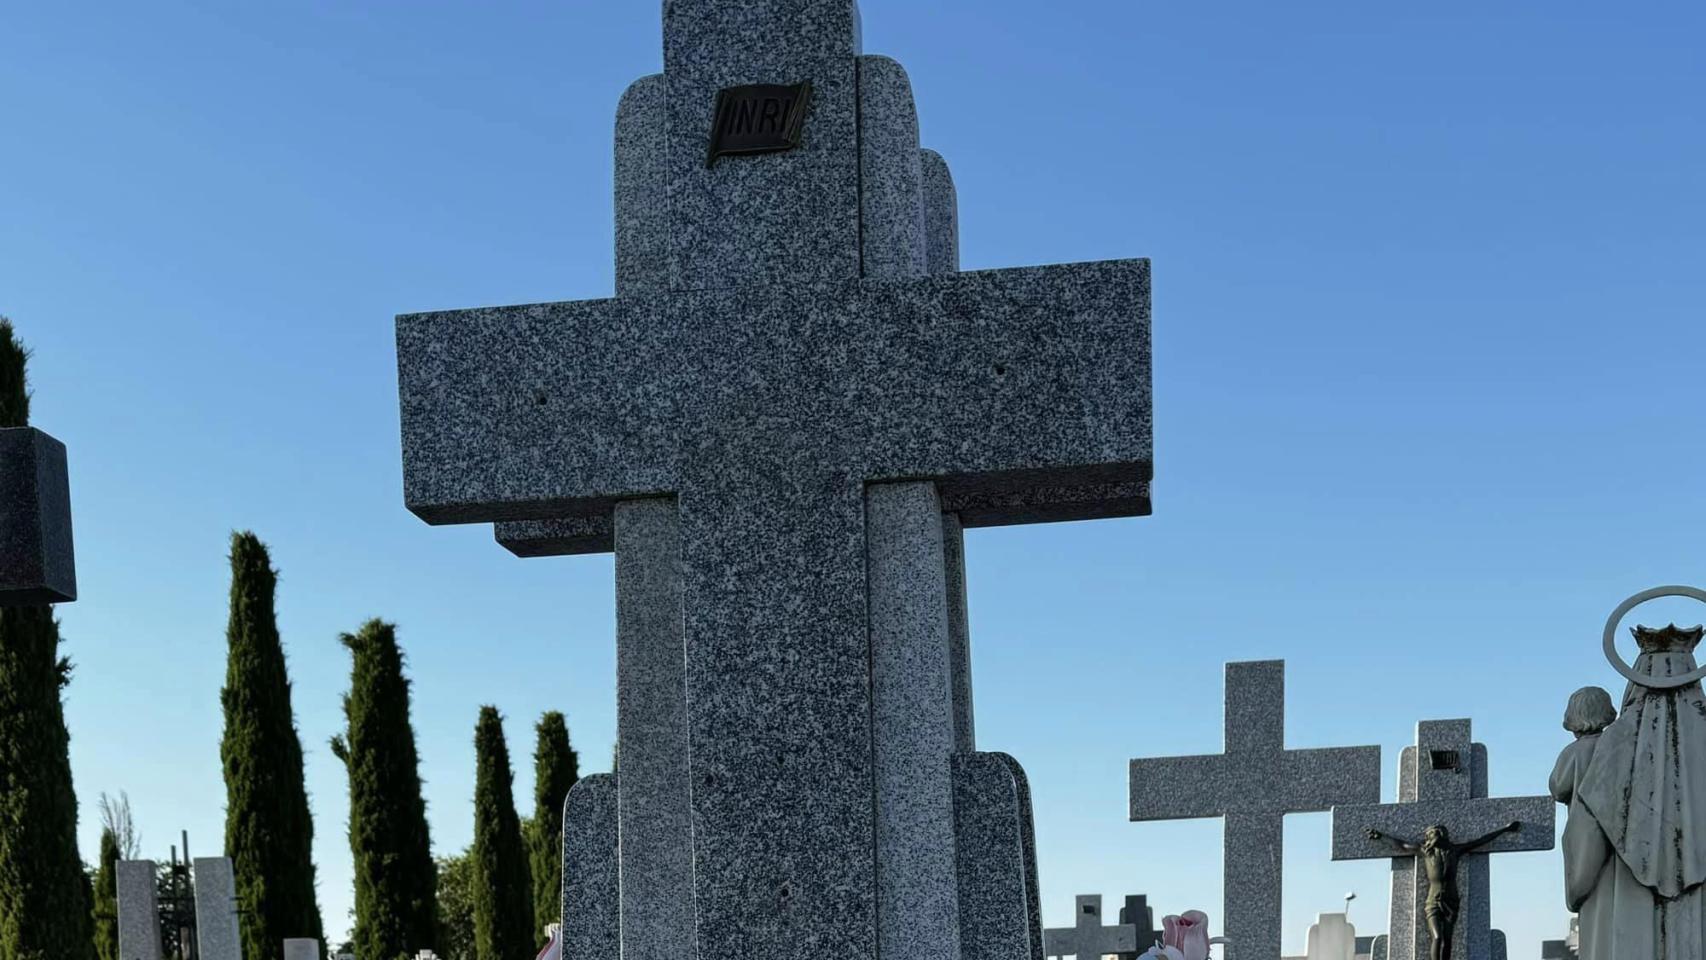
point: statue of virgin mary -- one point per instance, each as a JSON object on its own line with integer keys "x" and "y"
{"x": 1645, "y": 787}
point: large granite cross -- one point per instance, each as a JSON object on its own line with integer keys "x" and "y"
{"x": 1442, "y": 780}
{"x": 1087, "y": 938}
{"x": 1254, "y": 784}
{"x": 778, "y": 426}
{"x": 36, "y": 560}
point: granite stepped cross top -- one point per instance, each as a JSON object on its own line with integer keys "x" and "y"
{"x": 780, "y": 426}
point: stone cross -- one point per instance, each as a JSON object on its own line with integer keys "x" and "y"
{"x": 1254, "y": 784}
{"x": 1087, "y": 939}
{"x": 217, "y": 933}
{"x": 1442, "y": 780}
{"x": 138, "y": 910}
{"x": 37, "y": 564}
{"x": 779, "y": 426}
{"x": 302, "y": 949}
{"x": 1137, "y": 914}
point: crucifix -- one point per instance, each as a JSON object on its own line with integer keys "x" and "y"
{"x": 1087, "y": 939}
{"x": 778, "y": 426}
{"x": 1254, "y": 783}
{"x": 1442, "y": 785}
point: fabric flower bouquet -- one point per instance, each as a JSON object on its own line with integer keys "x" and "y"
{"x": 1183, "y": 937}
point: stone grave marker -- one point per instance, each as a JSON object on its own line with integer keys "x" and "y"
{"x": 1331, "y": 937}
{"x": 1442, "y": 780}
{"x": 1087, "y": 938}
{"x": 302, "y": 948}
{"x": 138, "y": 910}
{"x": 780, "y": 425}
{"x": 1140, "y": 916}
{"x": 37, "y": 563}
{"x": 1254, "y": 783}
{"x": 217, "y": 933}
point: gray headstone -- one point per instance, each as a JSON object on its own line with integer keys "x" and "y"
{"x": 301, "y": 948}
{"x": 37, "y": 564}
{"x": 1254, "y": 783}
{"x": 1501, "y": 949}
{"x": 591, "y": 884}
{"x": 1087, "y": 938}
{"x": 1382, "y": 948}
{"x": 1442, "y": 781}
{"x": 217, "y": 933}
{"x": 792, "y": 365}
{"x": 1000, "y": 907}
{"x": 138, "y": 910}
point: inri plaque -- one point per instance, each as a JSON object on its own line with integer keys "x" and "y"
{"x": 761, "y": 118}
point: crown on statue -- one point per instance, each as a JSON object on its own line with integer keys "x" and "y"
{"x": 1669, "y": 639}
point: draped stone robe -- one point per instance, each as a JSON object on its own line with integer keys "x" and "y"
{"x": 1643, "y": 784}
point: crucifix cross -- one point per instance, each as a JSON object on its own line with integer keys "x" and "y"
{"x": 1087, "y": 939}
{"x": 767, "y": 425}
{"x": 1254, "y": 783}
{"x": 1442, "y": 781}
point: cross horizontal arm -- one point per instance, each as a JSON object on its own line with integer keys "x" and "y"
{"x": 1182, "y": 788}
{"x": 993, "y": 384}
{"x": 1465, "y": 819}
{"x": 1318, "y": 779}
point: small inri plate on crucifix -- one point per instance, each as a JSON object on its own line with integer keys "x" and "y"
{"x": 760, "y": 118}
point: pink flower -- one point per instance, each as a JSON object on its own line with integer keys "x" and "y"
{"x": 1188, "y": 932}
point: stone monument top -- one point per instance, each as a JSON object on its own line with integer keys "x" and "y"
{"x": 791, "y": 399}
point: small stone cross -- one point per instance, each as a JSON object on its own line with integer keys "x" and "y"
{"x": 1442, "y": 781}
{"x": 1087, "y": 939}
{"x": 1254, "y": 784}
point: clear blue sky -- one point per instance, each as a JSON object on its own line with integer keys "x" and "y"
{"x": 1428, "y": 353}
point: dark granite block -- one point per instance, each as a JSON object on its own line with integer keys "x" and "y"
{"x": 37, "y": 564}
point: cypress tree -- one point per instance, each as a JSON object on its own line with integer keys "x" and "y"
{"x": 503, "y": 896}
{"x": 46, "y": 911}
{"x": 556, "y": 767}
{"x": 106, "y": 898}
{"x": 456, "y": 907}
{"x": 269, "y": 832}
{"x": 396, "y": 907}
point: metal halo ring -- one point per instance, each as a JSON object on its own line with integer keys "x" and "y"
{"x": 1611, "y": 654}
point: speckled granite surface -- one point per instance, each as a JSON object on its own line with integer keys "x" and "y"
{"x": 1254, "y": 784}
{"x": 790, "y": 333}
{"x": 591, "y": 871}
{"x": 1000, "y": 906}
